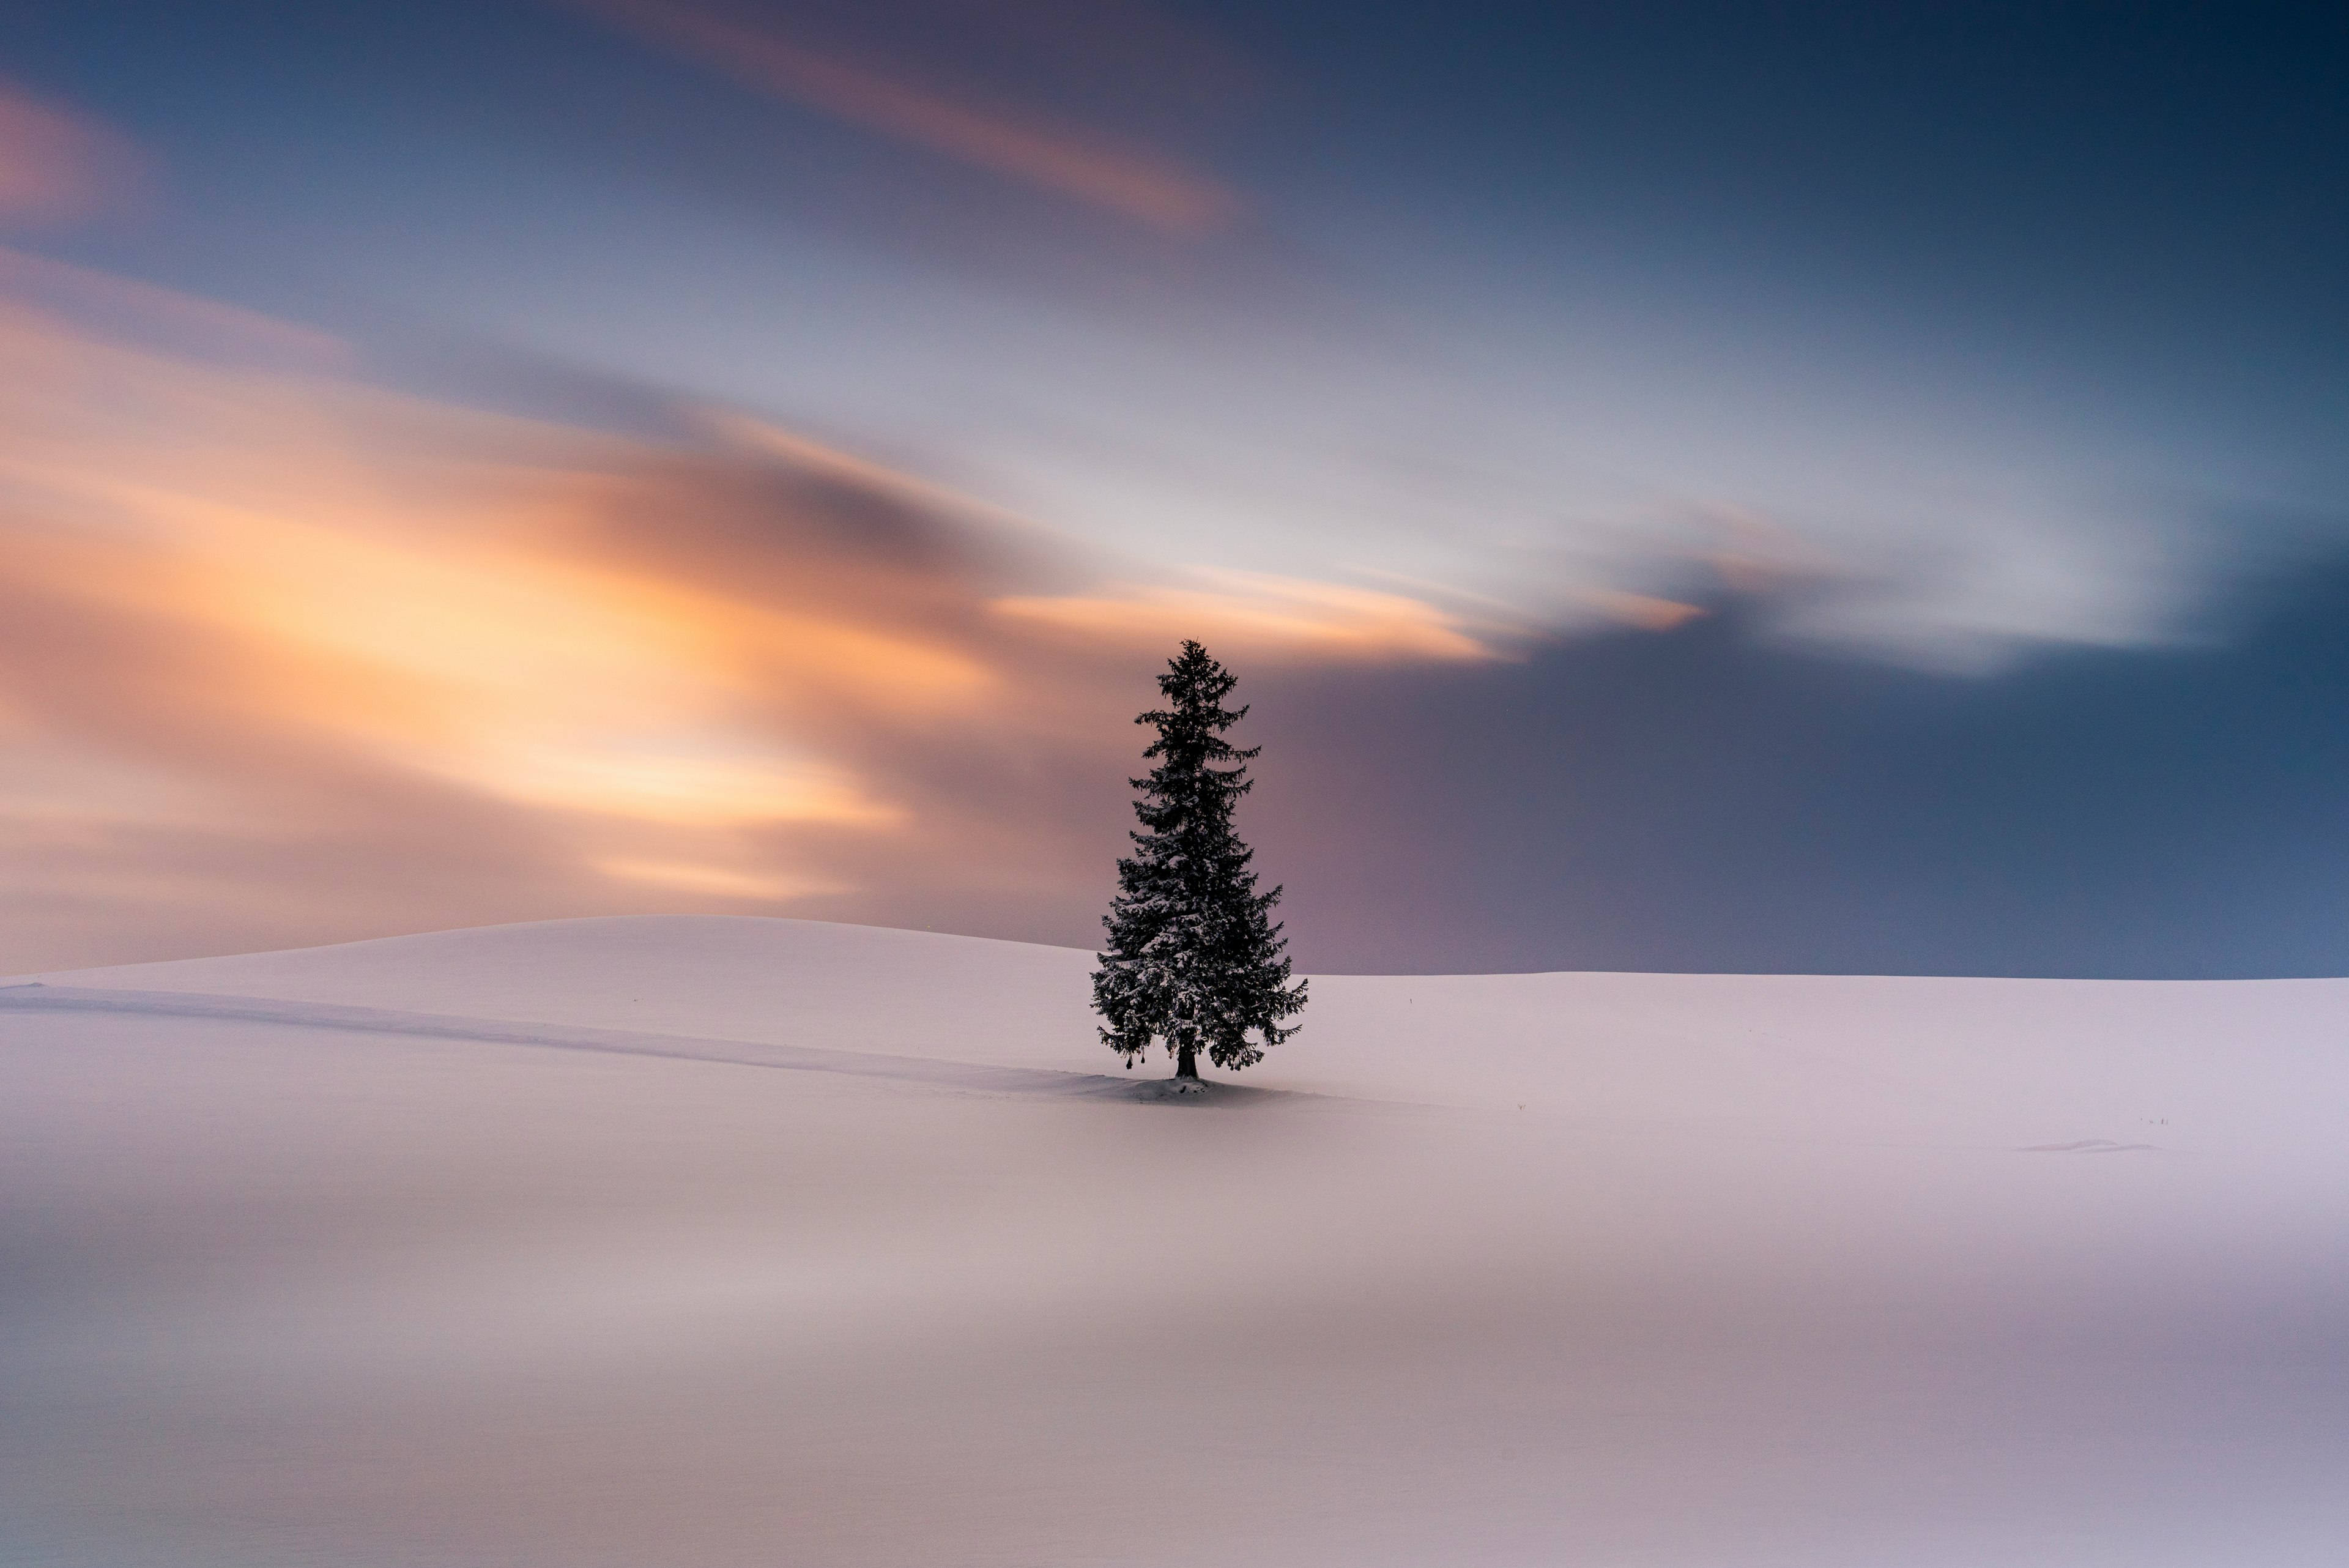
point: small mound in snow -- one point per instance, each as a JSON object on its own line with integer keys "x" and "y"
{"x": 2089, "y": 1145}
{"x": 1198, "y": 1092}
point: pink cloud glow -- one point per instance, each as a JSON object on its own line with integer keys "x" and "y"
{"x": 1069, "y": 162}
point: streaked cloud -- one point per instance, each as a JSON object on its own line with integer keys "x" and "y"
{"x": 1066, "y": 160}
{"x": 1347, "y": 389}
{"x": 1256, "y": 611}
{"x": 266, "y": 631}
{"x": 1647, "y": 611}
{"x": 864, "y": 474}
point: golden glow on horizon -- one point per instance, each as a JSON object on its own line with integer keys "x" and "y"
{"x": 714, "y": 881}
{"x": 644, "y": 778}
{"x": 263, "y": 627}
{"x": 382, "y": 585}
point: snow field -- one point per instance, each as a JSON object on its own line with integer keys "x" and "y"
{"x": 592, "y": 1244}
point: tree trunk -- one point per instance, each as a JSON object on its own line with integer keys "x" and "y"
{"x": 1187, "y": 1062}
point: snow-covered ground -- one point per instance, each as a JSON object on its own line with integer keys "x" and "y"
{"x": 689, "y": 1241}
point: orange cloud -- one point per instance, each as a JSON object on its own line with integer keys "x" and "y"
{"x": 425, "y": 544}
{"x": 287, "y": 658}
{"x": 1255, "y": 611}
{"x": 1646, "y": 611}
{"x": 1057, "y": 158}
{"x": 420, "y": 592}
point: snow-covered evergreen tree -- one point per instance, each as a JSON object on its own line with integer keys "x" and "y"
{"x": 1195, "y": 959}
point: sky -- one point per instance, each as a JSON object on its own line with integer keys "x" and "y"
{"x": 1804, "y": 488}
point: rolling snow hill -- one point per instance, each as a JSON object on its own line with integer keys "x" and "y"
{"x": 698, "y": 1241}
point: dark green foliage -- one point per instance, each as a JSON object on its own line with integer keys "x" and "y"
{"x": 1195, "y": 959}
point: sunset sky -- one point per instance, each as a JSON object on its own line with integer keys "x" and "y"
{"x": 1793, "y": 488}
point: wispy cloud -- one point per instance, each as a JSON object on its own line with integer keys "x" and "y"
{"x": 1069, "y": 160}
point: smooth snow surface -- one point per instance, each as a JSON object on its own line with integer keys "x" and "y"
{"x": 689, "y": 1241}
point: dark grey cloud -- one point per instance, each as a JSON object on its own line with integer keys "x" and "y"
{"x": 1709, "y": 800}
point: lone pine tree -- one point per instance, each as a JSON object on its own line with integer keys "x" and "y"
{"x": 1195, "y": 959}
